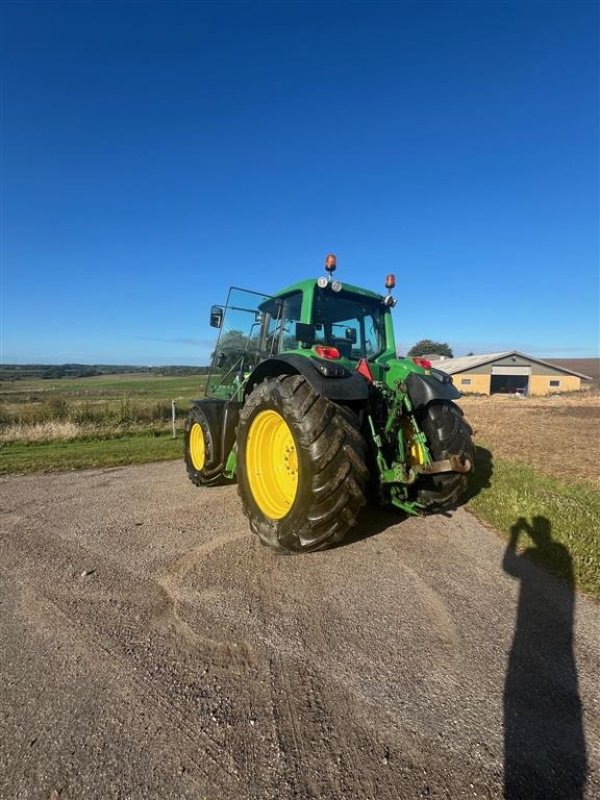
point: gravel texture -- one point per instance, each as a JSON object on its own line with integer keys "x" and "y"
{"x": 150, "y": 647}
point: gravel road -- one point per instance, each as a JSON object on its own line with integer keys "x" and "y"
{"x": 151, "y": 648}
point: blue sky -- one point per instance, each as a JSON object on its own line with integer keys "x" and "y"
{"x": 155, "y": 153}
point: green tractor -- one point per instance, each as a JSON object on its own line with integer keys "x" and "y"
{"x": 308, "y": 407}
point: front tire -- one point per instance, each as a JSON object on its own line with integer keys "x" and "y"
{"x": 447, "y": 434}
{"x": 200, "y": 451}
{"x": 301, "y": 466}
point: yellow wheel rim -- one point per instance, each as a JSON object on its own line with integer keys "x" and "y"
{"x": 272, "y": 464}
{"x": 197, "y": 449}
{"x": 415, "y": 453}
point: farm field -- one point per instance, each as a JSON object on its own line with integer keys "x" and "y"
{"x": 558, "y": 435}
{"x": 68, "y": 423}
{"x": 586, "y": 366}
{"x": 99, "y": 387}
{"x": 540, "y": 461}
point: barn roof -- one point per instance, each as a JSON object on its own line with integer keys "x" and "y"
{"x": 454, "y": 365}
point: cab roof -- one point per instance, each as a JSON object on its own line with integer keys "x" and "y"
{"x": 310, "y": 283}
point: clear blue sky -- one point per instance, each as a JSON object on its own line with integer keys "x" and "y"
{"x": 155, "y": 153}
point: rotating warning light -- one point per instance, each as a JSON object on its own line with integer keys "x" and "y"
{"x": 390, "y": 281}
{"x": 330, "y": 262}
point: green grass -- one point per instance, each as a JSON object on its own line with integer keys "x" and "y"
{"x": 512, "y": 496}
{"x": 20, "y": 457}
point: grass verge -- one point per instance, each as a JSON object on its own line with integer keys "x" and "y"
{"x": 22, "y": 457}
{"x": 515, "y": 498}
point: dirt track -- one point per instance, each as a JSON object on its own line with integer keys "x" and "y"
{"x": 417, "y": 661}
{"x": 517, "y": 427}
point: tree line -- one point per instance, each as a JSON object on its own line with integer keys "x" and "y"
{"x": 15, "y": 372}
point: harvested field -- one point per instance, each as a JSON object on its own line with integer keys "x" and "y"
{"x": 585, "y": 366}
{"x": 558, "y": 435}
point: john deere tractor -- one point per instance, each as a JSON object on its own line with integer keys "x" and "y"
{"x": 309, "y": 408}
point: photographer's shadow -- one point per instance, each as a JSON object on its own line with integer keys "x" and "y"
{"x": 544, "y": 744}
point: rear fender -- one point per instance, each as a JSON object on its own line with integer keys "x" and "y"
{"x": 341, "y": 385}
{"x": 424, "y": 389}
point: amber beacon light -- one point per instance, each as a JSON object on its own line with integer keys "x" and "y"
{"x": 330, "y": 262}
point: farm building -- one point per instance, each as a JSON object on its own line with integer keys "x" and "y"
{"x": 509, "y": 373}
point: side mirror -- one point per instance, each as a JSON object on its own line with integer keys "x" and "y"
{"x": 216, "y": 316}
{"x": 351, "y": 335}
{"x": 220, "y": 359}
{"x": 305, "y": 333}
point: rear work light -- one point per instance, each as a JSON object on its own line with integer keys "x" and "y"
{"x": 422, "y": 362}
{"x": 327, "y": 352}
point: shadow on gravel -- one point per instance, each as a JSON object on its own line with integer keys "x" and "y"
{"x": 544, "y": 743}
{"x": 482, "y": 476}
{"x": 372, "y": 520}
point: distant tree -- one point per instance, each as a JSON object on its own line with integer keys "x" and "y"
{"x": 471, "y": 353}
{"x": 53, "y": 373}
{"x": 426, "y": 346}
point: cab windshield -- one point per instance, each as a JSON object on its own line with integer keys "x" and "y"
{"x": 352, "y": 323}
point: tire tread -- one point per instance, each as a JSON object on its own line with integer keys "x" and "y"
{"x": 336, "y": 452}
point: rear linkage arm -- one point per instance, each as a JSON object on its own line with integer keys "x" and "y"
{"x": 399, "y": 475}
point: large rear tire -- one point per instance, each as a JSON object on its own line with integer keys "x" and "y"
{"x": 447, "y": 434}
{"x": 300, "y": 466}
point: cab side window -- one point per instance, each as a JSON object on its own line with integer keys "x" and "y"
{"x": 290, "y": 314}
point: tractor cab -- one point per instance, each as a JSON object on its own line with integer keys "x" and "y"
{"x": 315, "y": 319}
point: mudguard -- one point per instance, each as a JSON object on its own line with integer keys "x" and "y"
{"x": 326, "y": 377}
{"x": 423, "y": 389}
